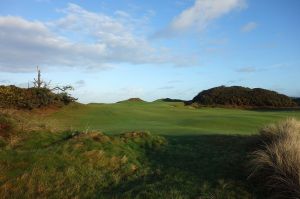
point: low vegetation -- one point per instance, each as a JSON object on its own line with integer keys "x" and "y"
{"x": 297, "y": 100}
{"x": 171, "y": 100}
{"x": 278, "y": 161}
{"x": 40, "y": 95}
{"x": 23, "y": 98}
{"x": 243, "y": 97}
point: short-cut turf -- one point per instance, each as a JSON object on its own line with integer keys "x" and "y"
{"x": 166, "y": 118}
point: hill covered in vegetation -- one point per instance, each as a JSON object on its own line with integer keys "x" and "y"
{"x": 243, "y": 97}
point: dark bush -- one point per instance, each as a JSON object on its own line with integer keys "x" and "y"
{"x": 21, "y": 98}
{"x": 241, "y": 96}
{"x": 297, "y": 100}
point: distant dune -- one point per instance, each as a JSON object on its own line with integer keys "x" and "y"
{"x": 132, "y": 100}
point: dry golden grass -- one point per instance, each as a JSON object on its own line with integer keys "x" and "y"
{"x": 27, "y": 121}
{"x": 277, "y": 163}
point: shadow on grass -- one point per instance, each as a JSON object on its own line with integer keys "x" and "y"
{"x": 188, "y": 164}
{"x": 275, "y": 109}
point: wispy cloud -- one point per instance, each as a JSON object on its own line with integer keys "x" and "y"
{"x": 80, "y": 83}
{"x": 248, "y": 69}
{"x": 166, "y": 87}
{"x": 200, "y": 15}
{"x": 252, "y": 69}
{"x": 249, "y": 27}
{"x": 4, "y": 81}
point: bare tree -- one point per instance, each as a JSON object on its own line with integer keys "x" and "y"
{"x": 60, "y": 90}
{"x": 39, "y": 82}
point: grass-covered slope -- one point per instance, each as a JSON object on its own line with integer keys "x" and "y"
{"x": 90, "y": 164}
{"x": 75, "y": 164}
{"x": 166, "y": 118}
{"x": 243, "y": 97}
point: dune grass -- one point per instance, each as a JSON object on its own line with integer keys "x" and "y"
{"x": 278, "y": 161}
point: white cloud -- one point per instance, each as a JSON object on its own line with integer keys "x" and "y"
{"x": 79, "y": 39}
{"x": 200, "y": 15}
{"x": 249, "y": 27}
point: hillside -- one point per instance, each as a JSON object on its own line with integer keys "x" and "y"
{"x": 243, "y": 97}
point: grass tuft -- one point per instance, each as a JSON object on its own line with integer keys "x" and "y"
{"x": 278, "y": 161}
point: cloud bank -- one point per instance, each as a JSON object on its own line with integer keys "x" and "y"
{"x": 79, "y": 39}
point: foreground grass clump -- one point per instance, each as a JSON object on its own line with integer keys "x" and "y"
{"x": 278, "y": 162}
{"x": 73, "y": 164}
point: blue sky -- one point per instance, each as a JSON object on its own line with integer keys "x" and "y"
{"x": 111, "y": 50}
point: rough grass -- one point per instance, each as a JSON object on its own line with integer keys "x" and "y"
{"x": 278, "y": 162}
{"x": 129, "y": 165}
{"x": 74, "y": 164}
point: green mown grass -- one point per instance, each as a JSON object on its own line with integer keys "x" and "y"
{"x": 190, "y": 153}
{"x": 166, "y": 118}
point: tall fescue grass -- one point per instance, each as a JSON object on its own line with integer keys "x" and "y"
{"x": 277, "y": 163}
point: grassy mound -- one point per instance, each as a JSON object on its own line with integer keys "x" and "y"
{"x": 243, "y": 97}
{"x": 132, "y": 100}
{"x": 278, "y": 162}
{"x": 74, "y": 164}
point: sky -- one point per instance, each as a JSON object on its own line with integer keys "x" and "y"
{"x": 112, "y": 50}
